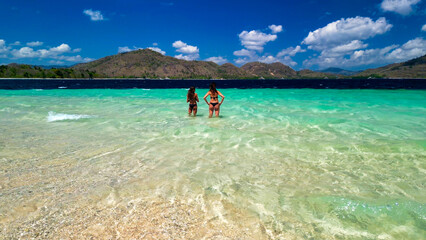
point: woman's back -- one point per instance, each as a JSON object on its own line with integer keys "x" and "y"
{"x": 193, "y": 99}
{"x": 214, "y": 97}
{"x": 214, "y": 104}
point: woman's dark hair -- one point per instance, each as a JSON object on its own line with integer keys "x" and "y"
{"x": 213, "y": 87}
{"x": 191, "y": 92}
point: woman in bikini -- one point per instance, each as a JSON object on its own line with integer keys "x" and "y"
{"x": 214, "y": 104}
{"x": 192, "y": 98}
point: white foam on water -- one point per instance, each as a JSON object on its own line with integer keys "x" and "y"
{"x": 218, "y": 210}
{"x": 6, "y": 109}
{"x": 145, "y": 89}
{"x": 103, "y": 154}
{"x": 53, "y": 117}
{"x": 335, "y": 228}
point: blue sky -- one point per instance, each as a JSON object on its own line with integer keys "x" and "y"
{"x": 313, "y": 34}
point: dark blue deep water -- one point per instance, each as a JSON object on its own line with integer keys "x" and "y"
{"x": 140, "y": 83}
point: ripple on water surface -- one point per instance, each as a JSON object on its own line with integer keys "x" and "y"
{"x": 320, "y": 164}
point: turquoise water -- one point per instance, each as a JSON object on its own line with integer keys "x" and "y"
{"x": 279, "y": 163}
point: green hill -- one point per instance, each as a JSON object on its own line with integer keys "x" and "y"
{"x": 306, "y": 74}
{"x": 415, "y": 68}
{"x": 146, "y": 63}
{"x": 339, "y": 71}
{"x": 273, "y": 70}
{"x": 14, "y": 70}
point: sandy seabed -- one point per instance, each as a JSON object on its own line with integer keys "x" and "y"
{"x": 137, "y": 219}
{"x": 294, "y": 164}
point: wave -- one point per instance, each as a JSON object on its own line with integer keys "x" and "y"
{"x": 53, "y": 117}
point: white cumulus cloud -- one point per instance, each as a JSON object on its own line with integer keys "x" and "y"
{"x": 379, "y": 56}
{"x": 157, "y": 50}
{"x": 345, "y": 31}
{"x": 255, "y": 40}
{"x": 187, "y": 57}
{"x": 179, "y": 44}
{"x": 245, "y": 56}
{"x": 188, "y": 52}
{"x": 34, "y": 44}
{"x": 77, "y": 58}
{"x": 51, "y": 52}
{"x": 412, "y": 49}
{"x": 424, "y": 28}
{"x": 25, "y": 52}
{"x": 288, "y": 61}
{"x": 244, "y": 52}
{"x": 185, "y": 48}
{"x": 134, "y": 48}
{"x": 3, "y": 48}
{"x": 94, "y": 15}
{"x": 284, "y": 56}
{"x": 291, "y": 51}
{"x": 218, "y": 60}
{"x": 403, "y": 7}
{"x": 54, "y": 53}
{"x": 17, "y": 43}
{"x": 241, "y": 61}
{"x": 276, "y": 28}
{"x": 61, "y": 48}
{"x": 267, "y": 59}
{"x": 344, "y": 49}
{"x": 126, "y": 49}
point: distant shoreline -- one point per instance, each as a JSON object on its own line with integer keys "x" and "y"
{"x": 111, "y": 83}
{"x": 252, "y": 79}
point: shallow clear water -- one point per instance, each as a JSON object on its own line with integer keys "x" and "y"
{"x": 296, "y": 163}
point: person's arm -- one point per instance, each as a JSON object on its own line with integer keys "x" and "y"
{"x": 205, "y": 97}
{"x": 187, "y": 98}
{"x": 223, "y": 97}
{"x": 196, "y": 97}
